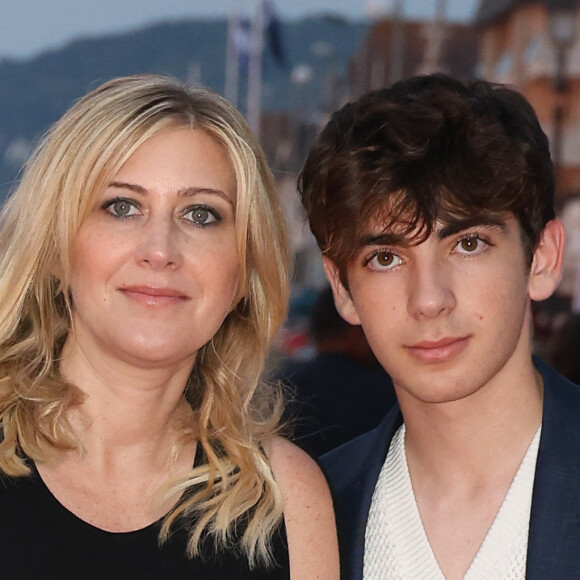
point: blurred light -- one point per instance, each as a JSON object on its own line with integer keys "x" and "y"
{"x": 562, "y": 23}
{"x": 378, "y": 8}
{"x": 301, "y": 74}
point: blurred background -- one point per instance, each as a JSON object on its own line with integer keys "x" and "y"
{"x": 287, "y": 64}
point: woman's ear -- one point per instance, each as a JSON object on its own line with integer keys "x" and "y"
{"x": 546, "y": 269}
{"x": 342, "y": 299}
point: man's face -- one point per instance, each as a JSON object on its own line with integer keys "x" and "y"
{"x": 447, "y": 316}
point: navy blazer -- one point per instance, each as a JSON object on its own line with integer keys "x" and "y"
{"x": 554, "y": 534}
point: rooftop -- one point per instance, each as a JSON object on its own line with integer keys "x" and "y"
{"x": 491, "y": 9}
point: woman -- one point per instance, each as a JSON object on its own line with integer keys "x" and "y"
{"x": 143, "y": 275}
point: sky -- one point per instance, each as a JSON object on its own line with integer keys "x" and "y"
{"x": 28, "y": 27}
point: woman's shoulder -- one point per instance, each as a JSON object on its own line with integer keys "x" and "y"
{"x": 308, "y": 511}
{"x": 292, "y": 466}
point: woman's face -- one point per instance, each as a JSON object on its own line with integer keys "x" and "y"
{"x": 155, "y": 264}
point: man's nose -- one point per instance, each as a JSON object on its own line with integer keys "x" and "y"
{"x": 430, "y": 290}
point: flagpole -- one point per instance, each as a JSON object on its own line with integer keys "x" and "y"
{"x": 254, "y": 96}
{"x": 397, "y": 42}
{"x": 435, "y": 36}
{"x": 232, "y": 58}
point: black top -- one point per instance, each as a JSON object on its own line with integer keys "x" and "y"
{"x": 40, "y": 538}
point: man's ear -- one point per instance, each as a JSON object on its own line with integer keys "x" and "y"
{"x": 546, "y": 270}
{"x": 342, "y": 298}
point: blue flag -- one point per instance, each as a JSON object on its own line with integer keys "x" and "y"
{"x": 273, "y": 33}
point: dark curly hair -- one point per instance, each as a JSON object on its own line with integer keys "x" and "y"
{"x": 427, "y": 149}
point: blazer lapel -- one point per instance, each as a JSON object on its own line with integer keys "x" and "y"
{"x": 352, "y": 471}
{"x": 554, "y": 535}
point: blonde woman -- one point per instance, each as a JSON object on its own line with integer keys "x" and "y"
{"x": 144, "y": 271}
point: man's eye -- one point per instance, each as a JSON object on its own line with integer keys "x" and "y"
{"x": 202, "y": 216}
{"x": 384, "y": 260}
{"x": 470, "y": 244}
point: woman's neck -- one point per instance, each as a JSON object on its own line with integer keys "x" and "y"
{"x": 125, "y": 409}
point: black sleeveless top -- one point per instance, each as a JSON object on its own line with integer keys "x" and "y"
{"x": 40, "y": 538}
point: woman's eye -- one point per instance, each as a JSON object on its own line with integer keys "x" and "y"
{"x": 384, "y": 260}
{"x": 121, "y": 208}
{"x": 470, "y": 244}
{"x": 202, "y": 216}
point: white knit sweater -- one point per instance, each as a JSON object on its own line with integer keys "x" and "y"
{"x": 396, "y": 545}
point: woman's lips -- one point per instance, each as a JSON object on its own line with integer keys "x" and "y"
{"x": 440, "y": 350}
{"x": 153, "y": 296}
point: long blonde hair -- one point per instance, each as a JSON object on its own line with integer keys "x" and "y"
{"x": 234, "y": 412}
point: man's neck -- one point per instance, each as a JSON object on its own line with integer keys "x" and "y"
{"x": 462, "y": 457}
{"x": 476, "y": 438}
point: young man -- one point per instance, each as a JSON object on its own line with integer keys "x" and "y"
{"x": 433, "y": 204}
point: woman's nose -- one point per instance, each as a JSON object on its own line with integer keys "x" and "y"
{"x": 159, "y": 246}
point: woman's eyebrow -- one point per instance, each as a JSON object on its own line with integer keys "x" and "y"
{"x": 185, "y": 192}
{"x": 131, "y": 186}
{"x": 191, "y": 191}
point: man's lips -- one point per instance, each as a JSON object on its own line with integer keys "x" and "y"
{"x": 154, "y": 295}
{"x": 440, "y": 350}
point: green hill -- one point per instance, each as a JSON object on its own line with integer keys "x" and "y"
{"x": 35, "y": 92}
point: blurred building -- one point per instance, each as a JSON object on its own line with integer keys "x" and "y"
{"x": 534, "y": 46}
{"x": 396, "y": 48}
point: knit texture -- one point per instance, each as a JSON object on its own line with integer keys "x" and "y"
{"x": 396, "y": 545}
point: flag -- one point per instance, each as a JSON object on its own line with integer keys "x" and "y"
{"x": 273, "y": 33}
{"x": 241, "y": 38}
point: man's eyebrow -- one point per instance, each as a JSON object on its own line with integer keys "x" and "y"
{"x": 458, "y": 225}
{"x": 384, "y": 239}
{"x": 451, "y": 228}
{"x": 185, "y": 192}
